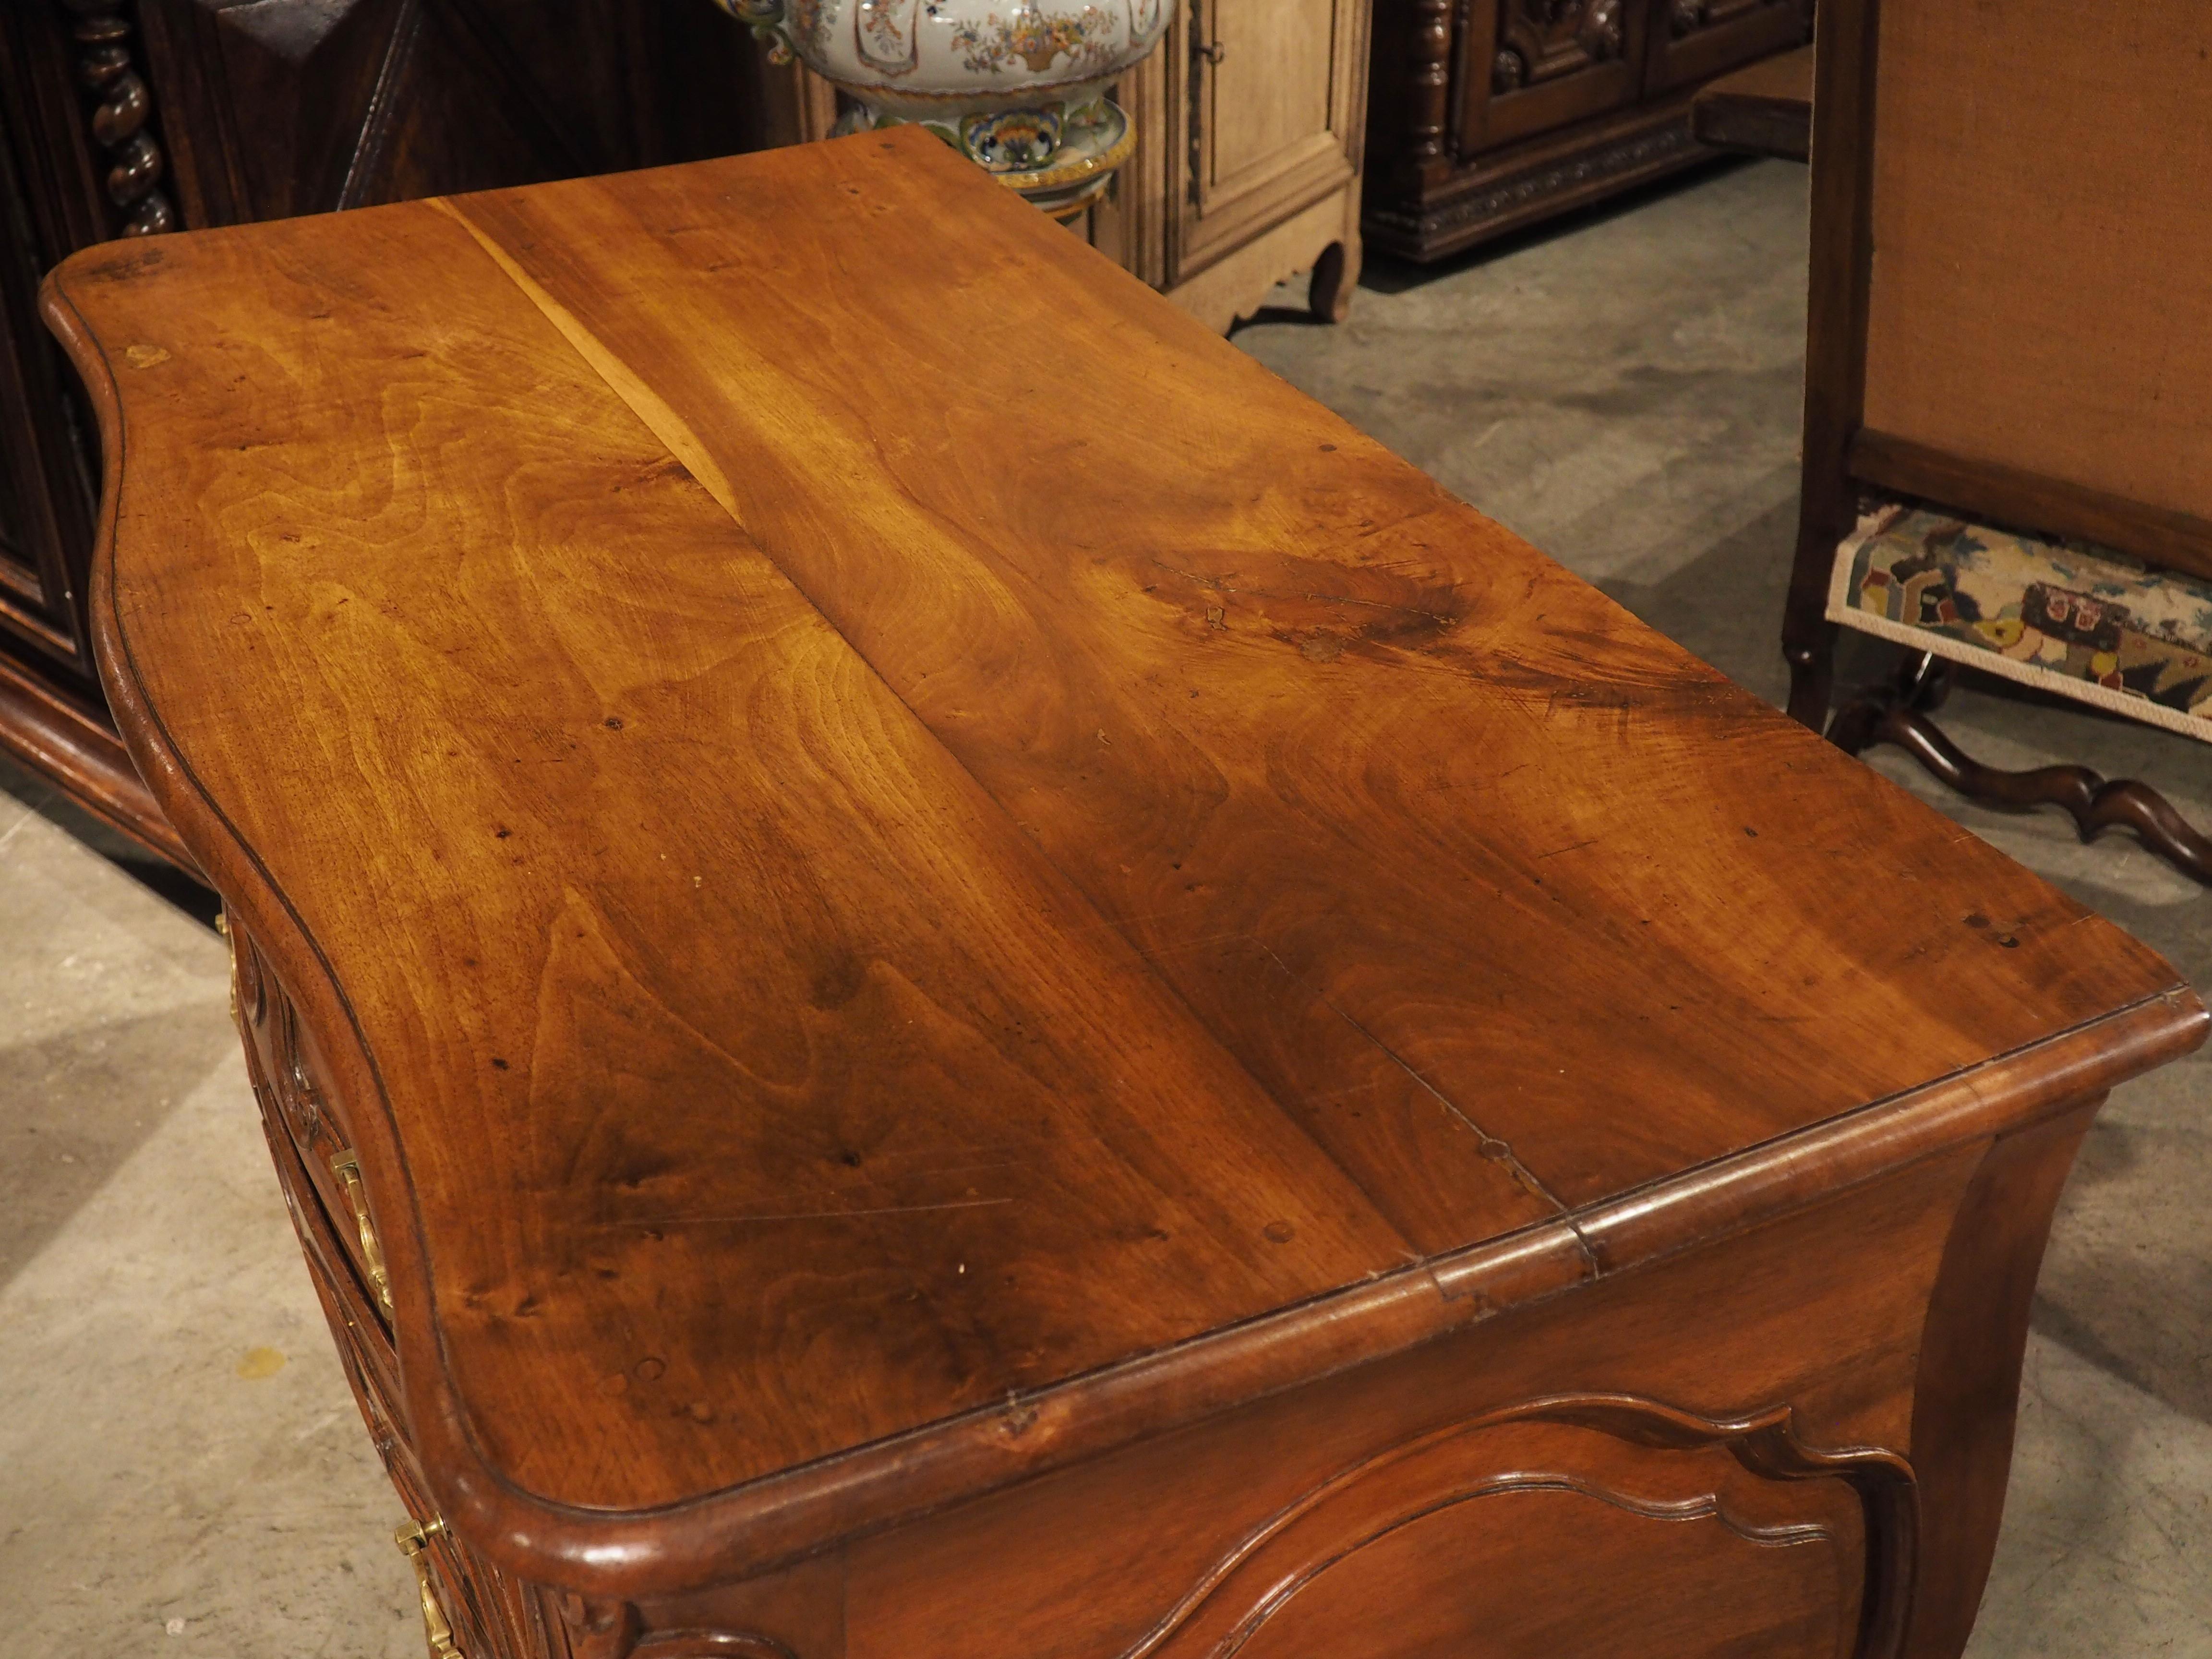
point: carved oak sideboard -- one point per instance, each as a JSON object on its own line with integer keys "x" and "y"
{"x": 1487, "y": 115}
{"x": 925, "y": 999}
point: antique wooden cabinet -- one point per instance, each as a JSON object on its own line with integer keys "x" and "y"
{"x": 937, "y": 974}
{"x": 1251, "y": 125}
{"x": 124, "y": 119}
{"x": 1489, "y": 114}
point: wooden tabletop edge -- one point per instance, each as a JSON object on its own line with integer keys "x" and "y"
{"x": 799, "y": 1511}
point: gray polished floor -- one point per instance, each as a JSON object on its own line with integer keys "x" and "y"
{"x": 181, "y": 1469}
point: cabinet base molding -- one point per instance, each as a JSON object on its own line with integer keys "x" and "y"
{"x": 1538, "y": 181}
{"x": 1234, "y": 287}
{"x": 79, "y": 753}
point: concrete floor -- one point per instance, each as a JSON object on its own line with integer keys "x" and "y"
{"x": 181, "y": 1469}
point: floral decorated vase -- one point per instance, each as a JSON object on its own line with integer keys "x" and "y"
{"x": 1018, "y": 86}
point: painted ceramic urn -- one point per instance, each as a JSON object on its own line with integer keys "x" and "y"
{"x": 1018, "y": 86}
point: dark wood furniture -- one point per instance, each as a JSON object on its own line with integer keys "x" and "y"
{"x": 1487, "y": 115}
{"x": 1763, "y": 109}
{"x": 123, "y": 120}
{"x": 937, "y": 973}
{"x": 2034, "y": 350}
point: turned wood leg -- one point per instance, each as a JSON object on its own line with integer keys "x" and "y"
{"x": 1968, "y": 1392}
{"x": 1896, "y": 715}
{"x": 1335, "y": 274}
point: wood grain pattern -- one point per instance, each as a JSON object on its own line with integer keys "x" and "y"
{"x": 909, "y": 870}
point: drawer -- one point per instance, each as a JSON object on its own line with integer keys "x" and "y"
{"x": 481, "y": 1612}
{"x": 291, "y": 1084}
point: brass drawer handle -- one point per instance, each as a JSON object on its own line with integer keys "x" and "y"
{"x": 347, "y": 1168}
{"x": 414, "y": 1541}
{"x": 230, "y": 943}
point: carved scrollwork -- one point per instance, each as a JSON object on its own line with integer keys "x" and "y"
{"x": 120, "y": 117}
{"x": 599, "y": 1630}
{"x": 613, "y": 1630}
{"x": 1507, "y": 71}
{"x": 1601, "y": 34}
{"x": 1552, "y": 37}
{"x": 1642, "y": 1462}
{"x": 1686, "y": 17}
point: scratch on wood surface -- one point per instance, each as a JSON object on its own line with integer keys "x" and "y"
{"x": 1572, "y": 847}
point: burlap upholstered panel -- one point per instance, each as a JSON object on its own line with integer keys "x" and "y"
{"x": 2042, "y": 290}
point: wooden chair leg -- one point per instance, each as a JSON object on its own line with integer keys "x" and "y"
{"x": 1897, "y": 713}
{"x": 1808, "y": 638}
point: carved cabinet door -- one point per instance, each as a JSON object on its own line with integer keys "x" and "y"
{"x": 1273, "y": 94}
{"x": 1529, "y": 65}
{"x": 47, "y": 461}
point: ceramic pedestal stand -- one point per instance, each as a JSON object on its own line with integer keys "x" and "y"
{"x": 1018, "y": 88}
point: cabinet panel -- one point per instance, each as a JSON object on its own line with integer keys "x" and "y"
{"x": 1268, "y": 95}
{"x": 1529, "y": 65}
{"x": 1272, "y": 88}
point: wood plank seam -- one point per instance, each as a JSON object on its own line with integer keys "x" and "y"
{"x": 684, "y": 445}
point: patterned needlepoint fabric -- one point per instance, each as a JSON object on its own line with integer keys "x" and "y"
{"x": 2076, "y": 619}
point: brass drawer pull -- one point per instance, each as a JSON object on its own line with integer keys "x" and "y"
{"x": 222, "y": 926}
{"x": 413, "y": 1540}
{"x": 347, "y": 1168}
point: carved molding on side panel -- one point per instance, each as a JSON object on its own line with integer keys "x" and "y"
{"x": 1624, "y": 1455}
{"x": 119, "y": 119}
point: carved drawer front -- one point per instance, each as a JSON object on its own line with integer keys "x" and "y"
{"x": 1568, "y": 1528}
{"x": 290, "y": 1082}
